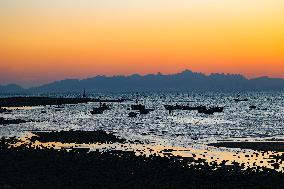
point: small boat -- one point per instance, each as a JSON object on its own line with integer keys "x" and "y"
{"x": 104, "y": 106}
{"x": 138, "y": 107}
{"x": 240, "y": 100}
{"x": 145, "y": 111}
{"x": 206, "y": 111}
{"x": 217, "y": 109}
{"x": 101, "y": 109}
{"x": 191, "y": 107}
{"x": 141, "y": 108}
{"x": 252, "y": 107}
{"x": 170, "y": 107}
{"x": 97, "y": 111}
{"x": 132, "y": 114}
{"x": 182, "y": 107}
{"x": 210, "y": 110}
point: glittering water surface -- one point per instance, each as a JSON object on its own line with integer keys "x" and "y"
{"x": 182, "y": 128}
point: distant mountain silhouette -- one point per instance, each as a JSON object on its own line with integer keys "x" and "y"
{"x": 11, "y": 88}
{"x": 184, "y": 81}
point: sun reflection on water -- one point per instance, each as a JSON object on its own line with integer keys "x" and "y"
{"x": 222, "y": 156}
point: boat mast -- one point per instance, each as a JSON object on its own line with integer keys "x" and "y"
{"x": 84, "y": 93}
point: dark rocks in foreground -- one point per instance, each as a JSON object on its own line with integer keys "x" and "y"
{"x": 260, "y": 146}
{"x": 24, "y": 167}
{"x": 42, "y": 101}
{"x": 5, "y": 110}
{"x": 77, "y": 137}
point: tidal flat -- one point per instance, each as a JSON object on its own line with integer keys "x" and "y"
{"x": 66, "y": 146}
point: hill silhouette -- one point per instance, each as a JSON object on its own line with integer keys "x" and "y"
{"x": 184, "y": 81}
{"x": 11, "y": 88}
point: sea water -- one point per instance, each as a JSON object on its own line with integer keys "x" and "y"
{"x": 159, "y": 127}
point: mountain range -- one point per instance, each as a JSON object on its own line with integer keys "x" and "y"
{"x": 184, "y": 81}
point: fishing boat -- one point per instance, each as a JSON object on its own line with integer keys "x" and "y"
{"x": 132, "y": 114}
{"x": 211, "y": 110}
{"x": 97, "y": 111}
{"x": 240, "y": 100}
{"x": 145, "y": 111}
{"x": 183, "y": 107}
{"x": 138, "y": 107}
{"x": 100, "y": 110}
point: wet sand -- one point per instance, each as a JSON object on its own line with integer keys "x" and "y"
{"x": 259, "y": 146}
{"x": 27, "y": 167}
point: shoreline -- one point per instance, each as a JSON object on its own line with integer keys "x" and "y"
{"x": 277, "y": 146}
{"x": 27, "y": 167}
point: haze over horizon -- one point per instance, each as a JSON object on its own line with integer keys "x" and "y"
{"x": 185, "y": 71}
{"x": 26, "y": 84}
{"x": 45, "y": 41}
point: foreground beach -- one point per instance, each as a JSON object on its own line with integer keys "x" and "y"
{"x": 25, "y": 166}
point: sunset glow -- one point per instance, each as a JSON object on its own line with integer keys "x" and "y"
{"x": 43, "y": 41}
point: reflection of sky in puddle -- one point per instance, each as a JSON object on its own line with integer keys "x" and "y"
{"x": 244, "y": 158}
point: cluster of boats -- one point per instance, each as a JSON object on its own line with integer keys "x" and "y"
{"x": 137, "y": 108}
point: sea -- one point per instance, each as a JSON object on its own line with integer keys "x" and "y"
{"x": 180, "y": 128}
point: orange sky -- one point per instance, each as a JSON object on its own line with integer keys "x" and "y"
{"x": 42, "y": 41}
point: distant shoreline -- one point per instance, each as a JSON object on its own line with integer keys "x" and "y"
{"x": 43, "y": 101}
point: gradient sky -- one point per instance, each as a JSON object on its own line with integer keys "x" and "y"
{"x": 47, "y": 40}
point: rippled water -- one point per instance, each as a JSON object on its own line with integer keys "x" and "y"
{"x": 182, "y": 128}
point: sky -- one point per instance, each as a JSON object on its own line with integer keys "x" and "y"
{"x": 47, "y": 40}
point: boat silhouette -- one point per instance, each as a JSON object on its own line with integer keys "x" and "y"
{"x": 145, "y": 111}
{"x": 141, "y": 108}
{"x": 183, "y": 107}
{"x": 240, "y": 100}
{"x": 211, "y": 110}
{"x": 138, "y": 107}
{"x": 132, "y": 114}
{"x": 100, "y": 110}
{"x": 252, "y": 107}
